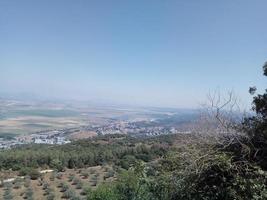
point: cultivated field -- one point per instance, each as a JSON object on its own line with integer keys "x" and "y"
{"x": 58, "y": 185}
{"x": 17, "y": 118}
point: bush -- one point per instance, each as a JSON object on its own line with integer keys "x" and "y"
{"x": 50, "y": 196}
{"x": 79, "y": 185}
{"x": 48, "y": 191}
{"x": 85, "y": 174}
{"x": 64, "y": 187}
{"x": 86, "y": 191}
{"x": 92, "y": 171}
{"x": 17, "y": 184}
{"x": 52, "y": 177}
{"x": 32, "y": 173}
{"x": 7, "y": 186}
{"x": 7, "y": 194}
{"x": 104, "y": 192}
{"x": 45, "y": 186}
{"x": 75, "y": 181}
{"x": 27, "y": 181}
{"x": 57, "y": 164}
{"x": 59, "y": 175}
{"x": 29, "y": 193}
{"x": 110, "y": 173}
{"x": 71, "y": 177}
{"x": 127, "y": 161}
{"x": 69, "y": 194}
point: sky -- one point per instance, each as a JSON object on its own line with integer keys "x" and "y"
{"x": 141, "y": 52}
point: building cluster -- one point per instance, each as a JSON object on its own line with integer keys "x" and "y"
{"x": 59, "y": 137}
{"x": 133, "y": 129}
{"x": 42, "y": 137}
{"x": 7, "y": 144}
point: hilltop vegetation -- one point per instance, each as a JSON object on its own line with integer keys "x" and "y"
{"x": 229, "y": 165}
{"x": 92, "y": 152}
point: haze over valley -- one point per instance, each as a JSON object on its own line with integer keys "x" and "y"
{"x": 133, "y": 100}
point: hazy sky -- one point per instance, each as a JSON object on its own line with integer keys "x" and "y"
{"x": 159, "y": 53}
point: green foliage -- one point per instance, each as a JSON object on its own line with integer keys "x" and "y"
{"x": 71, "y": 177}
{"x": 29, "y": 193}
{"x": 256, "y": 129}
{"x": 7, "y": 186}
{"x": 64, "y": 187}
{"x": 50, "y": 196}
{"x": 109, "y": 173}
{"x": 17, "y": 183}
{"x": 127, "y": 161}
{"x": 69, "y": 194}
{"x": 86, "y": 191}
{"x": 85, "y": 174}
{"x": 34, "y": 174}
{"x": 7, "y": 194}
{"x": 103, "y": 192}
{"x": 53, "y": 176}
{"x": 77, "y": 154}
{"x": 27, "y": 181}
{"x": 59, "y": 175}
{"x": 94, "y": 181}
{"x": 76, "y": 181}
{"x": 31, "y": 172}
{"x": 79, "y": 185}
{"x": 57, "y": 164}
{"x": 45, "y": 186}
{"x": 162, "y": 168}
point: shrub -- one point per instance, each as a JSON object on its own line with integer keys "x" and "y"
{"x": 127, "y": 161}
{"x": 7, "y": 194}
{"x": 51, "y": 196}
{"x": 86, "y": 191}
{"x": 93, "y": 182}
{"x": 57, "y": 164}
{"x": 52, "y": 176}
{"x": 92, "y": 171}
{"x": 71, "y": 177}
{"x": 29, "y": 193}
{"x": 45, "y": 186}
{"x": 79, "y": 185}
{"x": 75, "y": 181}
{"x": 106, "y": 168}
{"x": 7, "y": 186}
{"x": 110, "y": 173}
{"x": 27, "y": 182}
{"x": 59, "y": 175}
{"x": 40, "y": 182}
{"x": 17, "y": 184}
{"x": 24, "y": 171}
{"x": 64, "y": 187}
{"x": 85, "y": 174}
{"x": 60, "y": 185}
{"x": 69, "y": 194}
{"x": 48, "y": 190}
{"x": 104, "y": 192}
{"x": 32, "y": 173}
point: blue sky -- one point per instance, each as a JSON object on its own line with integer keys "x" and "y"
{"x": 143, "y": 52}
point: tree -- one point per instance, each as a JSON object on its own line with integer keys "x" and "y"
{"x": 29, "y": 193}
{"x": 104, "y": 192}
{"x": 34, "y": 174}
{"x": 57, "y": 164}
{"x": 256, "y": 127}
{"x": 8, "y": 195}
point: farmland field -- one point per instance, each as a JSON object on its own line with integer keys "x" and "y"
{"x": 59, "y": 184}
{"x": 18, "y": 118}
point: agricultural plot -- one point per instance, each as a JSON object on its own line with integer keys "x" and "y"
{"x": 70, "y": 184}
